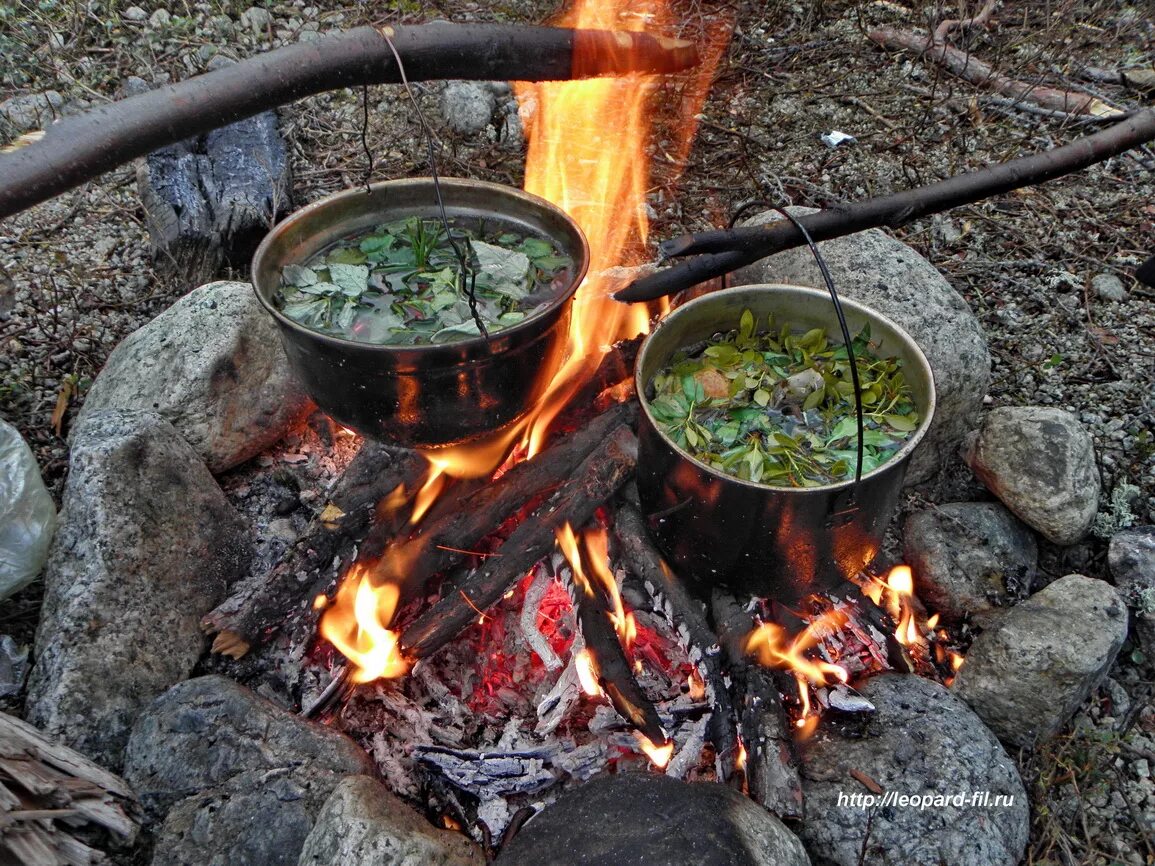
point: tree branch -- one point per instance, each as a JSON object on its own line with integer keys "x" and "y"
{"x": 724, "y": 251}
{"x": 82, "y": 147}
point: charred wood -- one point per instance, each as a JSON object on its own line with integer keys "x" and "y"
{"x": 209, "y": 200}
{"x": 771, "y": 763}
{"x": 719, "y": 252}
{"x": 84, "y": 146}
{"x": 636, "y": 551}
{"x": 611, "y": 665}
{"x": 597, "y": 479}
{"x": 261, "y": 605}
{"x": 444, "y": 540}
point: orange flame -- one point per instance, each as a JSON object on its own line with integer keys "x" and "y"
{"x": 588, "y": 154}
{"x": 770, "y": 643}
{"x": 597, "y": 546}
{"x": 659, "y": 755}
{"x": 900, "y": 582}
{"x": 357, "y": 625}
{"x": 587, "y": 673}
{"x": 595, "y": 541}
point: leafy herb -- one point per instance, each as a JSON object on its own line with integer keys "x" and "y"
{"x": 398, "y": 285}
{"x": 777, "y": 407}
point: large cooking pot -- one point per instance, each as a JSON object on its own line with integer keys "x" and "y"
{"x": 777, "y": 542}
{"x": 423, "y": 395}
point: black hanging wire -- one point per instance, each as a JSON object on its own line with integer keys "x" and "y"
{"x": 365, "y": 138}
{"x": 821, "y": 262}
{"x": 466, "y": 275}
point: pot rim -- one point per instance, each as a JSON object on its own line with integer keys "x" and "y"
{"x": 820, "y": 295}
{"x": 470, "y": 346}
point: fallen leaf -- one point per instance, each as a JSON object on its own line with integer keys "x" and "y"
{"x": 67, "y": 389}
{"x": 867, "y": 782}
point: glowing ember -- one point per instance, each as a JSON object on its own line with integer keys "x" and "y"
{"x": 659, "y": 755}
{"x": 357, "y": 625}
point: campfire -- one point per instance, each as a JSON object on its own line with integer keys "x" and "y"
{"x": 502, "y": 621}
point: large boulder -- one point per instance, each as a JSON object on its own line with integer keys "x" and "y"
{"x": 935, "y": 761}
{"x": 213, "y": 365}
{"x": 875, "y": 269}
{"x": 236, "y": 779}
{"x": 970, "y": 558}
{"x": 363, "y": 824}
{"x": 147, "y": 545}
{"x": 651, "y": 819}
{"x": 1040, "y": 462}
{"x": 1027, "y": 675}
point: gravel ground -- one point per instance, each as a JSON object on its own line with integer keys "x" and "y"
{"x": 1047, "y": 270}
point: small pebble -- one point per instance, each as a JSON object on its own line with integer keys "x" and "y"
{"x": 1109, "y": 287}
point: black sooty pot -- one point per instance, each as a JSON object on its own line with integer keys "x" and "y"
{"x": 423, "y": 395}
{"x": 783, "y": 543}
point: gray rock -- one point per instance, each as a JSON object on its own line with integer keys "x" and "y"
{"x": 970, "y": 557}
{"x": 468, "y": 106}
{"x": 1040, "y": 462}
{"x": 1109, "y": 287}
{"x": 31, "y": 111}
{"x": 159, "y": 19}
{"x": 653, "y": 820}
{"x": 1131, "y": 557}
{"x": 246, "y": 777}
{"x": 134, "y": 13}
{"x": 875, "y": 269}
{"x": 213, "y": 365}
{"x": 923, "y": 743}
{"x": 1027, "y": 675}
{"x": 256, "y": 19}
{"x": 363, "y": 824}
{"x": 147, "y": 544}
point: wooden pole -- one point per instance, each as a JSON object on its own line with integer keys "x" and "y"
{"x": 82, "y": 147}
{"x": 722, "y": 251}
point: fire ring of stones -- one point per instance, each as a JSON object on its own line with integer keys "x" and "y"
{"x": 492, "y": 727}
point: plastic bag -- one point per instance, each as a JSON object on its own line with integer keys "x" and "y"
{"x": 27, "y": 513}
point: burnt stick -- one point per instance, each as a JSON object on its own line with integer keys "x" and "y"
{"x": 598, "y": 477}
{"x": 260, "y": 605}
{"x": 724, "y": 251}
{"x": 771, "y": 763}
{"x": 611, "y": 665}
{"x": 86, "y": 145}
{"x": 636, "y": 551}
{"x": 441, "y": 542}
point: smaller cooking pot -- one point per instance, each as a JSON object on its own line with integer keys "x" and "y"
{"x": 783, "y": 543}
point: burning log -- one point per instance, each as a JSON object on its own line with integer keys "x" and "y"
{"x": 597, "y": 479}
{"x": 725, "y": 251}
{"x": 258, "y": 609}
{"x": 771, "y": 764}
{"x": 642, "y": 559}
{"x": 84, "y": 146}
{"x": 443, "y": 541}
{"x": 610, "y": 665}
